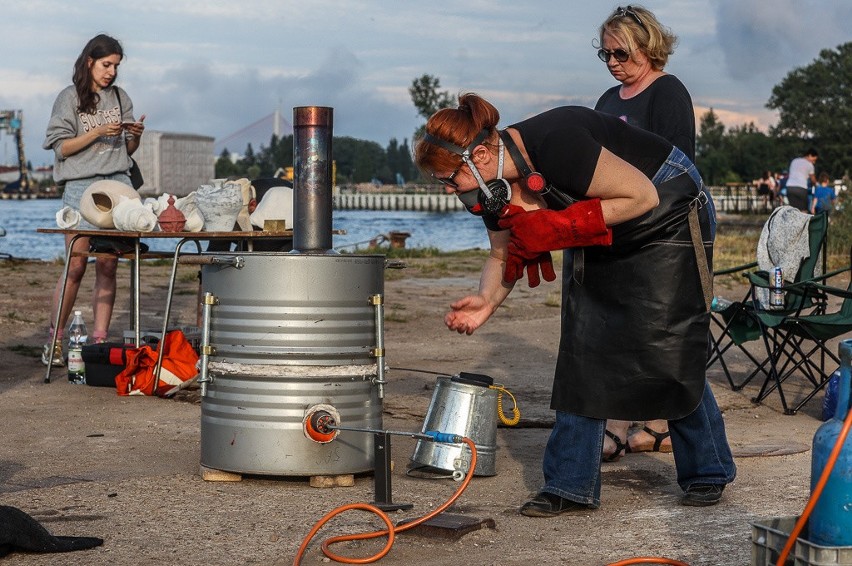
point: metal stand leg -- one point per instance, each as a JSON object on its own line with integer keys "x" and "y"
{"x": 382, "y": 475}
{"x": 169, "y": 306}
{"x": 135, "y": 278}
{"x": 59, "y": 307}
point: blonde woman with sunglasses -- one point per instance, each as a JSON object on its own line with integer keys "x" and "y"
{"x": 635, "y": 48}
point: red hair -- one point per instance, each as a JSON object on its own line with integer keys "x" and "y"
{"x": 458, "y": 126}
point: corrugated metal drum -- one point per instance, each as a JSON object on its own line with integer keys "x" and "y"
{"x": 291, "y": 331}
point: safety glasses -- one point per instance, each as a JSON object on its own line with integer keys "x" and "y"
{"x": 449, "y": 181}
{"x": 628, "y": 11}
{"x": 620, "y": 55}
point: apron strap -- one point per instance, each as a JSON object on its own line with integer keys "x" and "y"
{"x": 700, "y": 255}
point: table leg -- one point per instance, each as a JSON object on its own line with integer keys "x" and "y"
{"x": 59, "y": 307}
{"x": 168, "y": 310}
{"x": 136, "y": 292}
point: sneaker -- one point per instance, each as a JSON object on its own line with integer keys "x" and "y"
{"x": 58, "y": 359}
{"x": 702, "y": 495}
{"x": 550, "y": 505}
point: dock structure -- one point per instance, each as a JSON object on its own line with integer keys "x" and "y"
{"x": 27, "y": 196}
{"x": 732, "y": 198}
{"x": 421, "y": 202}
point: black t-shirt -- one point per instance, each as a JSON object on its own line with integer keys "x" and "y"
{"x": 664, "y": 108}
{"x": 564, "y": 145}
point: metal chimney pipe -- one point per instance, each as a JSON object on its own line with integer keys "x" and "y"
{"x": 312, "y": 179}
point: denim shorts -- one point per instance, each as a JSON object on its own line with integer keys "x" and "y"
{"x": 74, "y": 193}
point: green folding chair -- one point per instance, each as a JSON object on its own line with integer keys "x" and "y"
{"x": 799, "y": 341}
{"x": 748, "y": 320}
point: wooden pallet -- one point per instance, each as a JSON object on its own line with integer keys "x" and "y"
{"x": 341, "y": 480}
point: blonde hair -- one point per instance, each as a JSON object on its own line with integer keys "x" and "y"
{"x": 656, "y": 41}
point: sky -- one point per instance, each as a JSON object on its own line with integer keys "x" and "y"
{"x": 212, "y": 67}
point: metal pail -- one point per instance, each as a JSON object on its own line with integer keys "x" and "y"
{"x": 464, "y": 405}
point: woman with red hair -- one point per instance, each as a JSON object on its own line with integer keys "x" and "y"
{"x": 635, "y": 305}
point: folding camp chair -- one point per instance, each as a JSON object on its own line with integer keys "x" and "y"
{"x": 735, "y": 325}
{"x": 798, "y": 337}
{"x": 747, "y": 320}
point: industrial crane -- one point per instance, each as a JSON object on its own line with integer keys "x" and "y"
{"x": 11, "y": 121}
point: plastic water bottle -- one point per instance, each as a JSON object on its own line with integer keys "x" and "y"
{"x": 719, "y": 304}
{"x": 77, "y": 337}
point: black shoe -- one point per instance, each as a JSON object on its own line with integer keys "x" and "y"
{"x": 702, "y": 495}
{"x": 550, "y": 505}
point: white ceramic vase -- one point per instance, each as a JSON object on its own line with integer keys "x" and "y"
{"x": 100, "y": 199}
{"x": 219, "y": 205}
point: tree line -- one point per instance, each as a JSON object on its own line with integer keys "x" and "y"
{"x": 814, "y": 105}
{"x": 356, "y": 161}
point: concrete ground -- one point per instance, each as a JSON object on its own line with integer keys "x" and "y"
{"x": 85, "y": 462}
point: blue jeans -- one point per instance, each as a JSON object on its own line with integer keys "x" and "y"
{"x": 572, "y": 457}
{"x": 677, "y": 163}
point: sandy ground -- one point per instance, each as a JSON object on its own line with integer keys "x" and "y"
{"x": 86, "y": 462}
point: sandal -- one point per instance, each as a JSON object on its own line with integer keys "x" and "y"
{"x": 651, "y": 446}
{"x": 621, "y": 448}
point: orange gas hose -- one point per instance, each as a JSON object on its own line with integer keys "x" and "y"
{"x": 391, "y": 530}
{"x": 823, "y": 479}
{"x": 648, "y": 560}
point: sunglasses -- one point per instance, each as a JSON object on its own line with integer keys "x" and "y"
{"x": 448, "y": 181}
{"x": 620, "y": 55}
{"x": 628, "y": 11}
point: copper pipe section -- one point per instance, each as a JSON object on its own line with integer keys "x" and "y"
{"x": 312, "y": 179}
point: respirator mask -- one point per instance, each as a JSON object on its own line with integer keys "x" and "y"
{"x": 489, "y": 198}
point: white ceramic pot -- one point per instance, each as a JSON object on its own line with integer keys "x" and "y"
{"x": 219, "y": 205}
{"x": 99, "y": 200}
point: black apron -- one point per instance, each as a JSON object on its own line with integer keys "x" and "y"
{"x": 634, "y": 320}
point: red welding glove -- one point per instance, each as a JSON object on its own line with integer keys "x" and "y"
{"x": 537, "y": 231}
{"x": 515, "y": 269}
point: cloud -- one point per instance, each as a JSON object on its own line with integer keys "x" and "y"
{"x": 765, "y": 40}
{"x": 202, "y": 98}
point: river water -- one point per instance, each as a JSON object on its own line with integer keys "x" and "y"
{"x": 446, "y": 231}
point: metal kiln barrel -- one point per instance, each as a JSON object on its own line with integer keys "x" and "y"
{"x": 288, "y": 332}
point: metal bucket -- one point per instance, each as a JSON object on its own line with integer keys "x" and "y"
{"x": 465, "y": 405}
{"x": 290, "y": 331}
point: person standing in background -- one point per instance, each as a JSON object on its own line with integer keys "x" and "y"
{"x": 823, "y": 195}
{"x": 766, "y": 189}
{"x": 92, "y": 133}
{"x": 636, "y": 47}
{"x": 800, "y": 178}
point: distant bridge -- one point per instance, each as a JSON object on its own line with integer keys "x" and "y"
{"x": 257, "y": 133}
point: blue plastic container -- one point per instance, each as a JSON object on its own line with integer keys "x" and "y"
{"x": 831, "y": 520}
{"x": 829, "y": 402}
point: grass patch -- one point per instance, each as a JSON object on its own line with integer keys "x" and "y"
{"x": 735, "y": 245}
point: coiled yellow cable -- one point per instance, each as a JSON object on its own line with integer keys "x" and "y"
{"x": 516, "y": 418}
